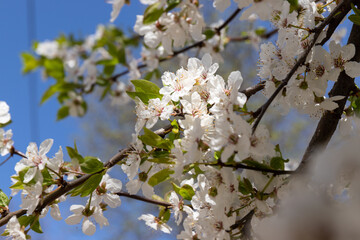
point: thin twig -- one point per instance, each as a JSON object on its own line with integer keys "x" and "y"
{"x": 343, "y": 6}
{"x": 253, "y": 90}
{"x": 143, "y": 199}
{"x": 227, "y": 21}
{"x": 245, "y": 38}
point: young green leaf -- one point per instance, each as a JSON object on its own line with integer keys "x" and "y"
{"x": 62, "y": 113}
{"x": 152, "y": 139}
{"x": 152, "y": 13}
{"x": 4, "y": 200}
{"x": 160, "y": 177}
{"x": 30, "y": 63}
{"x": 91, "y": 165}
{"x": 88, "y": 186}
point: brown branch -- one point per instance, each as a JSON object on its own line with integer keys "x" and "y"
{"x": 227, "y": 21}
{"x": 243, "y": 221}
{"x": 329, "y": 121}
{"x": 344, "y": 6}
{"x": 245, "y": 38}
{"x": 243, "y": 166}
{"x": 253, "y": 90}
{"x": 140, "y": 198}
{"x": 63, "y": 189}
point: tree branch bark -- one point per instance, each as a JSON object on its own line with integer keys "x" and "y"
{"x": 329, "y": 121}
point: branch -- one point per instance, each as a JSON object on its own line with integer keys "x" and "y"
{"x": 160, "y": 203}
{"x": 243, "y": 166}
{"x": 245, "y": 38}
{"x": 227, "y": 21}
{"x": 344, "y": 6}
{"x": 329, "y": 121}
{"x": 243, "y": 220}
{"x": 253, "y": 90}
{"x": 63, "y": 189}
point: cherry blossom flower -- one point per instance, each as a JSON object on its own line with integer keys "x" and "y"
{"x": 14, "y": 230}
{"x": 80, "y": 212}
{"x": 75, "y": 103}
{"x": 106, "y": 191}
{"x": 4, "y": 113}
{"x": 6, "y": 142}
{"x": 48, "y": 49}
{"x": 155, "y": 223}
{"x": 35, "y": 159}
{"x": 341, "y": 60}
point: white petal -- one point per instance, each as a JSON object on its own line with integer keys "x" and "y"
{"x": 30, "y": 174}
{"x": 352, "y": 69}
{"x": 88, "y": 227}
{"x": 76, "y": 208}
{"x": 55, "y": 212}
{"x": 45, "y": 146}
{"x": 112, "y": 200}
{"x": 74, "y": 219}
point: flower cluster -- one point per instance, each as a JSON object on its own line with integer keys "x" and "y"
{"x": 306, "y": 90}
{"x": 203, "y": 105}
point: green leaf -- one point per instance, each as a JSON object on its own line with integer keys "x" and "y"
{"x": 145, "y": 86}
{"x": 176, "y": 188}
{"x": 108, "y": 62}
{"x": 144, "y": 97}
{"x": 30, "y": 63}
{"x": 4, "y": 200}
{"x": 160, "y": 177}
{"x": 109, "y": 70}
{"x": 171, "y": 4}
{"x": 47, "y": 178}
{"x": 187, "y": 192}
{"x": 31, "y": 220}
{"x": 355, "y": 19}
{"x": 26, "y": 220}
{"x": 54, "y": 68}
{"x": 152, "y": 13}
{"x": 121, "y": 56}
{"x": 88, "y": 186}
{"x": 356, "y": 10}
{"x": 35, "y": 226}
{"x": 209, "y": 33}
{"x": 152, "y": 139}
{"x": 294, "y": 5}
{"x": 5, "y": 124}
{"x": 91, "y": 165}
{"x": 18, "y": 185}
{"x": 245, "y": 186}
{"x": 277, "y": 163}
{"x": 260, "y": 31}
{"x": 74, "y": 155}
{"x": 60, "y": 87}
{"x": 105, "y": 91}
{"x": 144, "y": 90}
{"x": 164, "y": 215}
{"x": 243, "y": 189}
{"x": 161, "y": 160}
{"x": 62, "y": 113}
{"x": 356, "y": 106}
